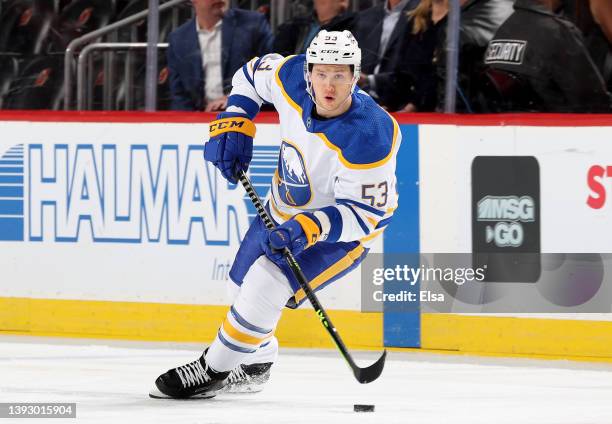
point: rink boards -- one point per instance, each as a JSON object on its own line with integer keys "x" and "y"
{"x": 112, "y": 226}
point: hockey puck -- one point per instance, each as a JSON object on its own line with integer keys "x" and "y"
{"x": 363, "y": 408}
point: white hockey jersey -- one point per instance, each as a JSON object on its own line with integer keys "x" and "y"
{"x": 342, "y": 169}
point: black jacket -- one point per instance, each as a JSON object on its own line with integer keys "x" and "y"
{"x": 600, "y": 50}
{"x": 406, "y": 70}
{"x": 548, "y": 53}
{"x": 290, "y": 35}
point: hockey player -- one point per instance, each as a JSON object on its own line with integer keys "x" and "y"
{"x": 333, "y": 193}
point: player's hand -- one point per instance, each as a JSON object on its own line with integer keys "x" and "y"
{"x": 230, "y": 147}
{"x": 297, "y": 234}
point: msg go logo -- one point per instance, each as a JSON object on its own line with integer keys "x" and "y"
{"x": 510, "y": 212}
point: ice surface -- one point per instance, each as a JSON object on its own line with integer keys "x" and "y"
{"x": 109, "y": 381}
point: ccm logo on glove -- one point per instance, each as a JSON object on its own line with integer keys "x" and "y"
{"x": 242, "y": 125}
{"x": 230, "y": 146}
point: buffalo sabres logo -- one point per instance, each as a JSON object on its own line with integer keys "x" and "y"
{"x": 293, "y": 185}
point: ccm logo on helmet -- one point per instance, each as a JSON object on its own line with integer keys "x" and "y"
{"x": 330, "y": 51}
{"x": 226, "y": 124}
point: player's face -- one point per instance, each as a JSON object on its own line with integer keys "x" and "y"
{"x": 331, "y": 85}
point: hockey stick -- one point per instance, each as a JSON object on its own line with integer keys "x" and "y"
{"x": 363, "y": 375}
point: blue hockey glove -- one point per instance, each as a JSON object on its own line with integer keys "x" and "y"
{"x": 297, "y": 234}
{"x": 230, "y": 147}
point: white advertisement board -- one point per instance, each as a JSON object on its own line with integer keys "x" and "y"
{"x": 555, "y": 197}
{"x": 126, "y": 212}
{"x": 575, "y": 180}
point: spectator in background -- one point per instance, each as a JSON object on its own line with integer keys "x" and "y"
{"x": 479, "y": 21}
{"x": 205, "y": 52}
{"x": 548, "y": 54}
{"x": 294, "y": 36}
{"x": 397, "y": 64}
{"x": 594, "y": 19}
{"x": 602, "y": 13}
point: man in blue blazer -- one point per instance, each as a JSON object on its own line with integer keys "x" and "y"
{"x": 205, "y": 52}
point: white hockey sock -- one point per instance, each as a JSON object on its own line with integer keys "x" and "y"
{"x": 267, "y": 352}
{"x": 252, "y": 319}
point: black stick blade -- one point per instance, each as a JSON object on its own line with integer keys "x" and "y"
{"x": 371, "y": 373}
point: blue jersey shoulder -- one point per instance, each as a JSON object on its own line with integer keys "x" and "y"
{"x": 366, "y": 134}
{"x": 291, "y": 76}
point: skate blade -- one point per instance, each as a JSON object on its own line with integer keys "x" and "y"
{"x": 156, "y": 394}
{"x": 252, "y": 388}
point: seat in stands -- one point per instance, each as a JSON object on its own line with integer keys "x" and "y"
{"x": 9, "y": 67}
{"x": 39, "y": 84}
{"x": 24, "y": 26}
{"x": 78, "y": 18}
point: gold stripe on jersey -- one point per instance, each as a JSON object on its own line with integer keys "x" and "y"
{"x": 351, "y": 165}
{"x": 282, "y": 88}
{"x": 332, "y": 271}
{"x": 372, "y": 235}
